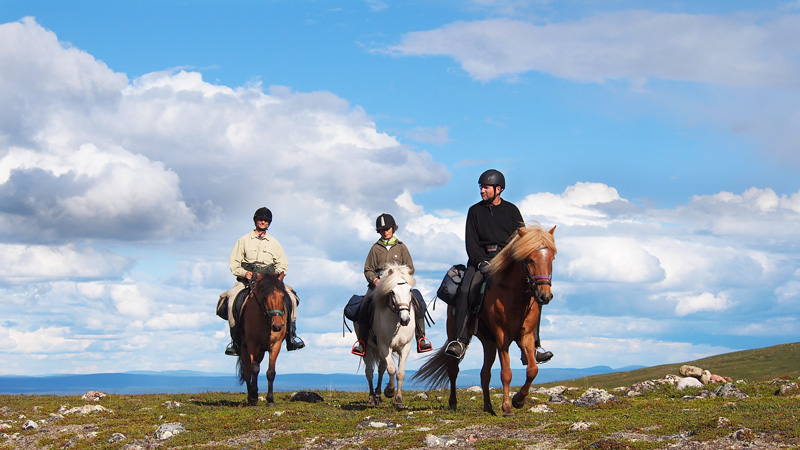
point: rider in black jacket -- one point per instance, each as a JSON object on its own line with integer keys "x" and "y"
{"x": 490, "y": 224}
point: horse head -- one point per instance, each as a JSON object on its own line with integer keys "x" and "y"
{"x": 538, "y": 268}
{"x": 532, "y": 250}
{"x": 395, "y": 286}
{"x": 270, "y": 291}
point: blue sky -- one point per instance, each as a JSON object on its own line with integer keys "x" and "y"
{"x": 137, "y": 139}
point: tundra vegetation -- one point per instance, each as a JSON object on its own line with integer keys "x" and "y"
{"x": 646, "y": 413}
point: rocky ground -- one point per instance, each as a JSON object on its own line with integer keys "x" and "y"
{"x": 19, "y": 432}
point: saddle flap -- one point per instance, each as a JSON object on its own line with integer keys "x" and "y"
{"x": 238, "y": 303}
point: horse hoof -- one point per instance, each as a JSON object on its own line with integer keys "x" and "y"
{"x": 388, "y": 393}
{"x": 400, "y": 406}
{"x": 508, "y": 414}
{"x": 271, "y": 404}
{"x": 516, "y": 403}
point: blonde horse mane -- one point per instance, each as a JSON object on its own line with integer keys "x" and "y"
{"x": 523, "y": 242}
{"x": 394, "y": 274}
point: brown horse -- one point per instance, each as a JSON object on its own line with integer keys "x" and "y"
{"x": 263, "y": 329}
{"x": 518, "y": 285}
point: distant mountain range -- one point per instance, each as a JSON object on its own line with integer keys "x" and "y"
{"x": 174, "y": 382}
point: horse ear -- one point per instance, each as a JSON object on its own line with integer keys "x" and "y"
{"x": 522, "y": 231}
{"x": 552, "y": 230}
{"x": 281, "y": 275}
{"x": 389, "y": 272}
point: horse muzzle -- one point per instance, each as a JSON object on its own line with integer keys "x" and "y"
{"x": 405, "y": 317}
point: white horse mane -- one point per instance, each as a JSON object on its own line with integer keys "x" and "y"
{"x": 392, "y": 276}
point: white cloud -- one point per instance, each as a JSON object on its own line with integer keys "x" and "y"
{"x": 27, "y": 263}
{"x": 690, "y": 303}
{"x": 405, "y": 201}
{"x": 47, "y": 340}
{"x": 169, "y": 148}
{"x": 634, "y": 45}
{"x": 179, "y": 321}
{"x": 579, "y": 204}
{"x": 130, "y": 302}
{"x": 610, "y": 260}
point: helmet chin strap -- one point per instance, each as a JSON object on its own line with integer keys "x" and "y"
{"x": 491, "y": 200}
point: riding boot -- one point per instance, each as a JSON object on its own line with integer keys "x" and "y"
{"x": 423, "y": 344}
{"x": 458, "y": 347}
{"x": 292, "y": 341}
{"x": 364, "y": 320}
{"x": 360, "y": 347}
{"x": 233, "y": 348}
{"x": 542, "y": 355}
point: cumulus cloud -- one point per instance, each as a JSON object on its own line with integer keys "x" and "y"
{"x": 689, "y": 304}
{"x": 610, "y": 260}
{"x": 50, "y": 340}
{"x": 583, "y": 203}
{"x": 167, "y": 149}
{"x": 130, "y": 302}
{"x": 28, "y": 263}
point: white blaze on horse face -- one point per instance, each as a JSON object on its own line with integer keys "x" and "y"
{"x": 401, "y": 296}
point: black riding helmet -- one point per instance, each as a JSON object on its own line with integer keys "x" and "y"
{"x": 263, "y": 213}
{"x": 385, "y": 221}
{"x": 493, "y": 178}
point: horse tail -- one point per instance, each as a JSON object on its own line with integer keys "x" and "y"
{"x": 240, "y": 371}
{"x": 434, "y": 372}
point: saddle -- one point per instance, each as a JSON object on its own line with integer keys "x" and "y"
{"x": 238, "y": 304}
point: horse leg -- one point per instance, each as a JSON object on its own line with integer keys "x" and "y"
{"x": 252, "y": 387}
{"x": 401, "y": 376}
{"x": 489, "y": 354}
{"x": 505, "y": 377}
{"x": 273, "y": 357}
{"x": 369, "y": 372}
{"x": 381, "y": 371}
{"x": 527, "y": 346}
{"x": 391, "y": 370}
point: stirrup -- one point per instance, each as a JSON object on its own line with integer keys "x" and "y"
{"x": 424, "y": 341}
{"x": 544, "y": 356}
{"x": 294, "y": 344}
{"x": 361, "y": 351}
{"x": 232, "y": 350}
{"x": 456, "y": 349}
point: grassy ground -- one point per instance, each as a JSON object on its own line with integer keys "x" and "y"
{"x": 761, "y": 364}
{"x": 660, "y": 419}
{"x": 665, "y": 418}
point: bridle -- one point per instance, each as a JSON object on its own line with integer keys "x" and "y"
{"x": 534, "y": 281}
{"x": 263, "y": 306}
{"x": 396, "y": 306}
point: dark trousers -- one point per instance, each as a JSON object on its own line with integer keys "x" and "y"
{"x": 466, "y": 296}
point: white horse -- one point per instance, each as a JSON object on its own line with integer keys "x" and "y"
{"x": 393, "y": 328}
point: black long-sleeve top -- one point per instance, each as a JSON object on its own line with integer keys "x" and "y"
{"x": 487, "y": 225}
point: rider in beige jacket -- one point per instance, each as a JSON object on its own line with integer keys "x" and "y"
{"x": 258, "y": 246}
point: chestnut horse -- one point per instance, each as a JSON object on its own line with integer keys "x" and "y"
{"x": 263, "y": 328}
{"x": 518, "y": 286}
